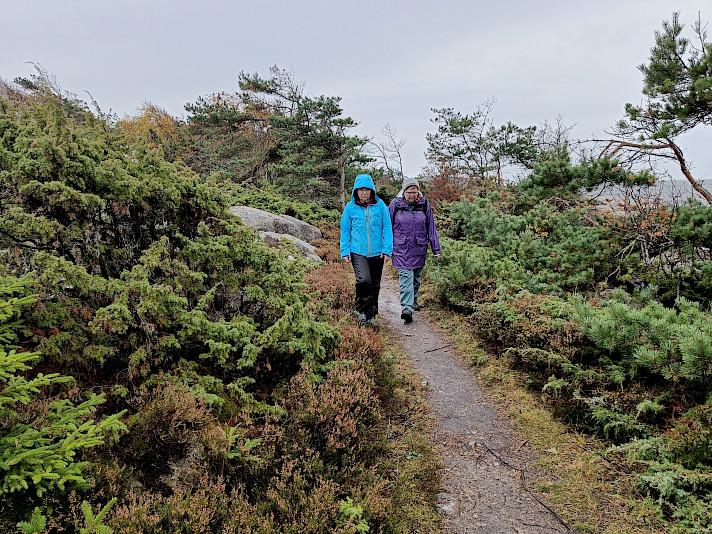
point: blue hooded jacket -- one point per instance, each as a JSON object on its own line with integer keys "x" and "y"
{"x": 366, "y": 230}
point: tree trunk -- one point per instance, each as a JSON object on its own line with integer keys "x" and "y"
{"x": 683, "y": 167}
{"x": 679, "y": 156}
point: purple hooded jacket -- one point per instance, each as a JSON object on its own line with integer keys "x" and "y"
{"x": 412, "y": 230}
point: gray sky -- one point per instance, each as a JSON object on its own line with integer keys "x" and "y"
{"x": 391, "y": 61}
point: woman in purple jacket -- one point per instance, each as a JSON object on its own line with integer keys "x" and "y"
{"x": 413, "y": 229}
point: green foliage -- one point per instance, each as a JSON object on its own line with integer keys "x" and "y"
{"x": 36, "y": 524}
{"x": 149, "y": 291}
{"x": 678, "y": 88}
{"x": 94, "y": 523}
{"x": 607, "y": 314}
{"x": 314, "y": 148}
{"x": 272, "y": 133}
{"x": 542, "y": 250}
{"x": 267, "y": 198}
{"x": 16, "y": 388}
{"x": 231, "y": 437}
{"x": 554, "y": 247}
{"x": 164, "y": 275}
{"x": 298, "y": 335}
{"x": 352, "y": 516}
{"x": 619, "y": 367}
{"x": 684, "y": 266}
{"x": 466, "y": 272}
{"x": 556, "y": 175}
{"x": 226, "y": 137}
{"x": 678, "y": 77}
{"x": 46, "y": 457}
{"x": 614, "y": 423}
{"x": 693, "y": 226}
{"x": 654, "y": 342}
{"x": 94, "y": 200}
{"x": 41, "y": 450}
{"x": 675, "y": 468}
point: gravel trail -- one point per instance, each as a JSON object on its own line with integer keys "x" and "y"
{"x": 486, "y": 466}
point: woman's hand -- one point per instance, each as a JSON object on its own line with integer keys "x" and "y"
{"x": 347, "y": 259}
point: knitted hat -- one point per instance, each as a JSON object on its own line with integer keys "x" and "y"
{"x": 408, "y": 182}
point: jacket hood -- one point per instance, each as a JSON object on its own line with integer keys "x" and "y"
{"x": 363, "y": 180}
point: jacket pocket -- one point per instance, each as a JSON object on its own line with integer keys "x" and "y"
{"x": 421, "y": 245}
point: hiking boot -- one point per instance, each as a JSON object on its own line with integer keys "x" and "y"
{"x": 416, "y": 306}
{"x": 362, "y": 318}
{"x": 407, "y": 316}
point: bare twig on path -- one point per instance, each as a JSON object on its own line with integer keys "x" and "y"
{"x": 439, "y": 348}
{"x": 525, "y": 488}
{"x": 537, "y": 499}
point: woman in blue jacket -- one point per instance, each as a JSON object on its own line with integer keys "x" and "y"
{"x": 366, "y": 242}
{"x": 413, "y": 230}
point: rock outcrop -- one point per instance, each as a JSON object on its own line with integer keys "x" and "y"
{"x": 264, "y": 221}
{"x": 282, "y": 241}
{"x": 280, "y": 231}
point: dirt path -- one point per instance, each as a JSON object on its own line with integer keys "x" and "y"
{"x": 485, "y": 465}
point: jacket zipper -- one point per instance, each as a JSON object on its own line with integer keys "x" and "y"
{"x": 368, "y": 230}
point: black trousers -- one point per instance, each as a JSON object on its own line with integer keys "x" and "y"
{"x": 368, "y": 273}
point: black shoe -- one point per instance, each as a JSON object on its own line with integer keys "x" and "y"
{"x": 416, "y": 306}
{"x": 407, "y": 316}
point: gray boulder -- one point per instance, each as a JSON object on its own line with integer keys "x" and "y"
{"x": 282, "y": 241}
{"x": 281, "y": 231}
{"x": 263, "y": 221}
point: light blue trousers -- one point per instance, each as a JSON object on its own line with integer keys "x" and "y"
{"x": 409, "y": 283}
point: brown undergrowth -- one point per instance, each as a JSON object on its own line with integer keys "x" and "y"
{"x": 589, "y": 491}
{"x": 407, "y": 467}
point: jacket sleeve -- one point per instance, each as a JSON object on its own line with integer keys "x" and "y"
{"x": 387, "y": 230}
{"x": 345, "y": 241}
{"x": 432, "y": 232}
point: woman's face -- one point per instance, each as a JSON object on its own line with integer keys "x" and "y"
{"x": 364, "y": 193}
{"x": 411, "y": 194}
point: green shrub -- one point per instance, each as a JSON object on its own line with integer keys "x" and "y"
{"x": 548, "y": 250}
{"x": 675, "y": 468}
{"x": 41, "y": 441}
{"x": 654, "y": 342}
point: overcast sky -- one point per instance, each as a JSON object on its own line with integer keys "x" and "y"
{"x": 391, "y": 61}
